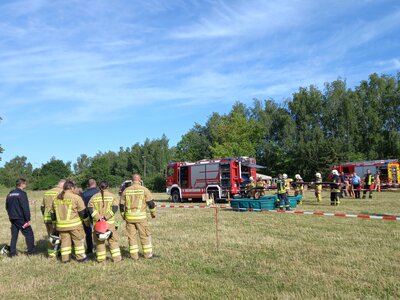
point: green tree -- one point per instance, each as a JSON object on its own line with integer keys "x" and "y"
{"x": 50, "y": 173}
{"x": 14, "y": 169}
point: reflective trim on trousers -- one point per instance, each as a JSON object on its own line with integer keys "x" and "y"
{"x": 147, "y": 248}
{"x": 67, "y": 224}
{"x": 115, "y": 252}
{"x": 134, "y": 249}
{"x": 79, "y": 250}
{"x": 66, "y": 250}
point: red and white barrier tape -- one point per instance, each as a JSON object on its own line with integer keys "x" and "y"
{"x": 326, "y": 214}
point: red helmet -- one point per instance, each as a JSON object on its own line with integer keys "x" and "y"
{"x": 101, "y": 226}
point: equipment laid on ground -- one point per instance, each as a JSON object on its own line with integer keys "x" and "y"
{"x": 389, "y": 169}
{"x": 222, "y": 177}
{"x": 5, "y": 250}
{"x": 263, "y": 203}
{"x": 54, "y": 239}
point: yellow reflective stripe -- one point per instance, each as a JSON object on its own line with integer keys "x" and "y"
{"x": 134, "y": 249}
{"x": 152, "y": 210}
{"x": 69, "y": 223}
{"x": 136, "y": 216}
{"x": 65, "y": 250}
{"x": 115, "y": 250}
{"x": 134, "y": 192}
{"x": 94, "y": 213}
{"x": 79, "y": 250}
{"x": 110, "y": 212}
{"x": 50, "y": 193}
{"x": 47, "y": 217}
{"x": 147, "y": 248}
{"x": 69, "y": 211}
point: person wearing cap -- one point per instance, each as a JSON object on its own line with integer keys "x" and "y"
{"x": 318, "y": 186}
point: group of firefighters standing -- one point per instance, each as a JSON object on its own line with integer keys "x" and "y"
{"x": 340, "y": 185}
{"x": 70, "y": 215}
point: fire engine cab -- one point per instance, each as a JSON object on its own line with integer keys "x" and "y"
{"x": 389, "y": 169}
{"x": 191, "y": 180}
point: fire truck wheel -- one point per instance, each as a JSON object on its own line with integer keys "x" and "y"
{"x": 175, "y": 196}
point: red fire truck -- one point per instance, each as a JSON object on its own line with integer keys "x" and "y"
{"x": 191, "y": 180}
{"x": 389, "y": 169}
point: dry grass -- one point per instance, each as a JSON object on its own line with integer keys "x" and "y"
{"x": 260, "y": 256}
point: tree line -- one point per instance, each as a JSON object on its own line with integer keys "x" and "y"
{"x": 306, "y": 133}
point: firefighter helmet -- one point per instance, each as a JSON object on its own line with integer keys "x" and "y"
{"x": 335, "y": 172}
{"x": 54, "y": 239}
{"x": 318, "y": 175}
{"x": 297, "y": 176}
{"x": 102, "y": 232}
{"x": 251, "y": 178}
{"x": 284, "y": 176}
{"x": 5, "y": 250}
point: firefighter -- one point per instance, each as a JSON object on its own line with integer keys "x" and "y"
{"x": 251, "y": 186}
{"x": 260, "y": 186}
{"x": 46, "y": 208}
{"x": 103, "y": 206}
{"x": 299, "y": 187}
{"x": 67, "y": 213}
{"x": 335, "y": 188}
{"x": 86, "y": 195}
{"x": 17, "y": 206}
{"x": 378, "y": 182}
{"x": 134, "y": 202}
{"x": 282, "y": 194}
{"x": 287, "y": 184}
{"x": 318, "y": 186}
{"x": 368, "y": 184}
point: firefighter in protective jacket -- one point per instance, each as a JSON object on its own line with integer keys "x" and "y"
{"x": 46, "y": 208}
{"x": 299, "y": 186}
{"x": 335, "y": 188}
{"x": 368, "y": 184}
{"x": 103, "y": 206}
{"x": 68, "y": 213}
{"x": 282, "y": 194}
{"x": 134, "y": 202}
{"x": 318, "y": 186}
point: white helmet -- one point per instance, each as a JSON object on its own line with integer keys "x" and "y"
{"x": 104, "y": 236}
{"x": 297, "y": 176}
{"x": 251, "y": 178}
{"x": 54, "y": 239}
{"x": 318, "y": 175}
{"x": 284, "y": 176}
{"x": 335, "y": 172}
{"x": 5, "y": 250}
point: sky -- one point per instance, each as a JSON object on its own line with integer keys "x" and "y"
{"x": 87, "y": 76}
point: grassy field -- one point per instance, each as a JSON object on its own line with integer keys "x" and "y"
{"x": 261, "y": 256}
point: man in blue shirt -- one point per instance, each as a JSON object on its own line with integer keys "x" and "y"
{"x": 86, "y": 195}
{"x": 356, "y": 185}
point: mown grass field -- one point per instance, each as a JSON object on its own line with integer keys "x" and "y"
{"x": 261, "y": 256}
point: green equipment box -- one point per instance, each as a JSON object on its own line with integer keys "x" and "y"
{"x": 263, "y": 203}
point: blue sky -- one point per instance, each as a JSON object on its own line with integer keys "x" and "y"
{"x": 87, "y": 76}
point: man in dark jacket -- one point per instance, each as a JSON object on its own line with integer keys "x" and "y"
{"x": 17, "y": 206}
{"x": 86, "y": 195}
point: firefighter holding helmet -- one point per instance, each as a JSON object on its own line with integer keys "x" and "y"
{"x": 134, "y": 202}
{"x": 67, "y": 213}
{"x": 46, "y": 207}
{"x": 335, "y": 188}
{"x": 318, "y": 186}
{"x": 102, "y": 208}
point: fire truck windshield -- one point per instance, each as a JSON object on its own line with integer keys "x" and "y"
{"x": 170, "y": 171}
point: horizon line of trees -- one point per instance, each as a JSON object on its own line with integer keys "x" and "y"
{"x": 305, "y": 134}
